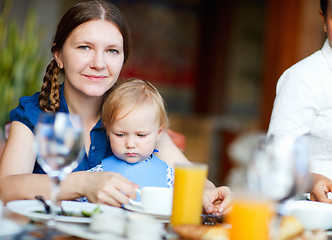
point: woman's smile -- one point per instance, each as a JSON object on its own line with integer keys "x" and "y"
{"x": 96, "y": 78}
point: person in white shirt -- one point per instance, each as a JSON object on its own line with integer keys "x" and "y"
{"x": 303, "y": 105}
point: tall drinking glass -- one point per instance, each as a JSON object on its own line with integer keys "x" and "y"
{"x": 279, "y": 171}
{"x": 189, "y": 185}
{"x": 279, "y": 167}
{"x": 59, "y": 147}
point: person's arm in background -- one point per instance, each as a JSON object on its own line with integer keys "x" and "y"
{"x": 321, "y": 187}
{"x": 215, "y": 200}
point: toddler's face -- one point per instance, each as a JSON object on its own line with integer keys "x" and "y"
{"x": 134, "y": 137}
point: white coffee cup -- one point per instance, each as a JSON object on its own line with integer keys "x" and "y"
{"x": 155, "y": 200}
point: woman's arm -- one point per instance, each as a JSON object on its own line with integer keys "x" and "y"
{"x": 18, "y": 182}
{"x": 18, "y": 156}
{"x": 16, "y": 166}
{"x": 171, "y": 154}
{"x": 24, "y": 186}
{"x": 99, "y": 187}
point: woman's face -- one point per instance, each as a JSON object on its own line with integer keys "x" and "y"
{"x": 92, "y": 58}
{"x": 327, "y": 22}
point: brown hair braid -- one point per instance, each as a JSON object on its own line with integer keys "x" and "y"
{"x": 49, "y": 95}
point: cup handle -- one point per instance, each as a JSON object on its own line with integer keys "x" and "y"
{"x": 135, "y": 203}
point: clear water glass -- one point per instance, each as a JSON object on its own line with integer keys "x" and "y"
{"x": 279, "y": 170}
{"x": 59, "y": 147}
{"x": 279, "y": 167}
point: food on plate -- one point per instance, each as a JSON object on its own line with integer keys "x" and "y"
{"x": 82, "y": 213}
{"x": 313, "y": 235}
{"x": 290, "y": 227}
{"x": 202, "y": 232}
{"x": 90, "y": 214}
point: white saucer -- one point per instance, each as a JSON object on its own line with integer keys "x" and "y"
{"x": 161, "y": 217}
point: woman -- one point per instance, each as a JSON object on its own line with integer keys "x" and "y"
{"x": 91, "y": 45}
{"x": 303, "y": 105}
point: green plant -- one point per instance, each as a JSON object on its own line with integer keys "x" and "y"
{"x": 21, "y": 59}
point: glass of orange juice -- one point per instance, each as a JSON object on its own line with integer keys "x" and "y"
{"x": 251, "y": 218}
{"x": 189, "y": 185}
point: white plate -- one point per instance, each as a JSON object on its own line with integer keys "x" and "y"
{"x": 83, "y": 231}
{"x": 163, "y": 218}
{"x": 312, "y": 215}
{"x": 29, "y": 207}
{"x": 8, "y": 227}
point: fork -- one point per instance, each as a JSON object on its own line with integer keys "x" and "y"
{"x": 212, "y": 219}
{"x": 47, "y": 206}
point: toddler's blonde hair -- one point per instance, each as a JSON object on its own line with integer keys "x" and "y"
{"x": 128, "y": 95}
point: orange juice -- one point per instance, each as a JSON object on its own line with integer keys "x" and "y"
{"x": 189, "y": 184}
{"x": 250, "y": 219}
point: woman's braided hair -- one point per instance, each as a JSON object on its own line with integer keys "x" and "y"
{"x": 49, "y": 100}
{"x": 82, "y": 12}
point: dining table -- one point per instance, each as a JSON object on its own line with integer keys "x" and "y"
{"x": 21, "y": 226}
{"x": 18, "y": 226}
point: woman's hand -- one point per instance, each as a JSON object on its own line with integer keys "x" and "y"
{"x": 217, "y": 200}
{"x": 321, "y": 186}
{"x": 108, "y": 188}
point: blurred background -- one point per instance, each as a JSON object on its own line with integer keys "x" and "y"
{"x": 216, "y": 62}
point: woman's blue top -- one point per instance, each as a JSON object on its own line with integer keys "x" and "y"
{"x": 27, "y": 112}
